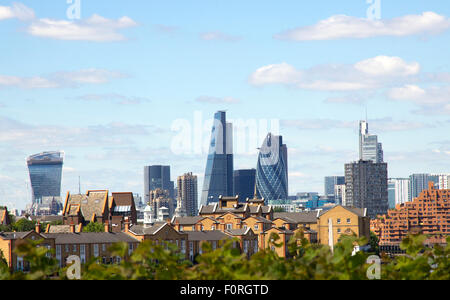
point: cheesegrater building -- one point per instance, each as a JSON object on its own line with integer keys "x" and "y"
{"x": 218, "y": 179}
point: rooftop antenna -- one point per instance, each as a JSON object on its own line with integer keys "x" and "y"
{"x": 79, "y": 185}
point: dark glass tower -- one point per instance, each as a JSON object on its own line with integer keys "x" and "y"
{"x": 219, "y": 166}
{"x": 272, "y": 169}
{"x": 244, "y": 184}
{"x": 157, "y": 177}
{"x": 45, "y": 175}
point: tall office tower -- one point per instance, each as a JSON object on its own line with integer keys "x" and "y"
{"x": 369, "y": 148}
{"x": 419, "y": 182}
{"x": 331, "y": 182}
{"x": 218, "y": 179}
{"x": 187, "y": 195}
{"x": 366, "y": 186}
{"x": 157, "y": 177}
{"x": 244, "y": 184}
{"x": 45, "y": 175}
{"x": 272, "y": 169}
{"x": 398, "y": 191}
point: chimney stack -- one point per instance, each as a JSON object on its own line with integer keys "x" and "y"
{"x": 127, "y": 225}
{"x": 38, "y": 227}
{"x": 106, "y": 226}
{"x": 72, "y": 228}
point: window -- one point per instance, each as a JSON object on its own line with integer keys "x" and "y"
{"x": 74, "y": 248}
{"x": 245, "y": 226}
{"x": 213, "y": 227}
{"x": 339, "y": 230}
{"x": 181, "y": 228}
{"x": 183, "y": 246}
{"x": 339, "y": 221}
{"x": 95, "y": 250}
{"x": 348, "y": 221}
{"x": 256, "y": 227}
{"x": 104, "y": 247}
{"x": 67, "y": 248}
{"x": 193, "y": 227}
{"x": 83, "y": 253}
{"x": 130, "y": 249}
{"x": 229, "y": 226}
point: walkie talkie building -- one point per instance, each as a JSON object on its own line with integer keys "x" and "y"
{"x": 272, "y": 169}
{"x": 45, "y": 174}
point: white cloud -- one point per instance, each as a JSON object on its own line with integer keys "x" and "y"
{"x": 94, "y": 29}
{"x": 276, "y": 73}
{"x": 364, "y": 75}
{"x": 430, "y": 100}
{"x": 342, "y": 27}
{"x": 16, "y": 11}
{"x": 219, "y": 36}
{"x": 61, "y": 79}
{"x": 387, "y": 66}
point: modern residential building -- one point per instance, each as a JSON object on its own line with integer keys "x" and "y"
{"x": 244, "y": 184}
{"x": 398, "y": 191}
{"x": 330, "y": 184}
{"x": 366, "y": 186}
{"x": 339, "y": 194}
{"x": 45, "y": 170}
{"x": 187, "y": 198}
{"x": 157, "y": 177}
{"x": 218, "y": 179}
{"x": 427, "y": 214}
{"x": 443, "y": 180}
{"x": 369, "y": 147}
{"x": 272, "y": 169}
{"x": 419, "y": 182}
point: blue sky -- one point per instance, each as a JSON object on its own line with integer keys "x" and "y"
{"x": 107, "y": 88}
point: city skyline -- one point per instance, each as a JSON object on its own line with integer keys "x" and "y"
{"x": 109, "y": 96}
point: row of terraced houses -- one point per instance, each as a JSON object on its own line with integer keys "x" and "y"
{"x": 251, "y": 224}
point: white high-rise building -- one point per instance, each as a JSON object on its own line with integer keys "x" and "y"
{"x": 443, "y": 181}
{"x": 369, "y": 147}
{"x": 398, "y": 191}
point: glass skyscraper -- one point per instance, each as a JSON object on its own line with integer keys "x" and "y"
{"x": 45, "y": 171}
{"x": 157, "y": 177}
{"x": 244, "y": 184}
{"x": 331, "y": 182}
{"x": 272, "y": 169}
{"x": 369, "y": 148}
{"x": 218, "y": 179}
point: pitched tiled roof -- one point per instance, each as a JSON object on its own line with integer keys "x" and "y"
{"x": 123, "y": 199}
{"x": 261, "y": 219}
{"x": 358, "y": 211}
{"x": 237, "y": 232}
{"x": 298, "y": 217}
{"x": 187, "y": 220}
{"x": 14, "y": 235}
{"x": 91, "y": 238}
{"x": 213, "y": 235}
{"x": 90, "y": 204}
{"x": 147, "y": 230}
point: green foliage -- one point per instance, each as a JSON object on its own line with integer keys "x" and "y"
{"x": 23, "y": 225}
{"x": 152, "y": 261}
{"x": 94, "y": 227}
{"x": 279, "y": 209}
{"x": 374, "y": 243}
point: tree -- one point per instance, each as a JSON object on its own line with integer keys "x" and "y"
{"x": 374, "y": 247}
{"x": 94, "y": 227}
{"x": 24, "y": 225}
